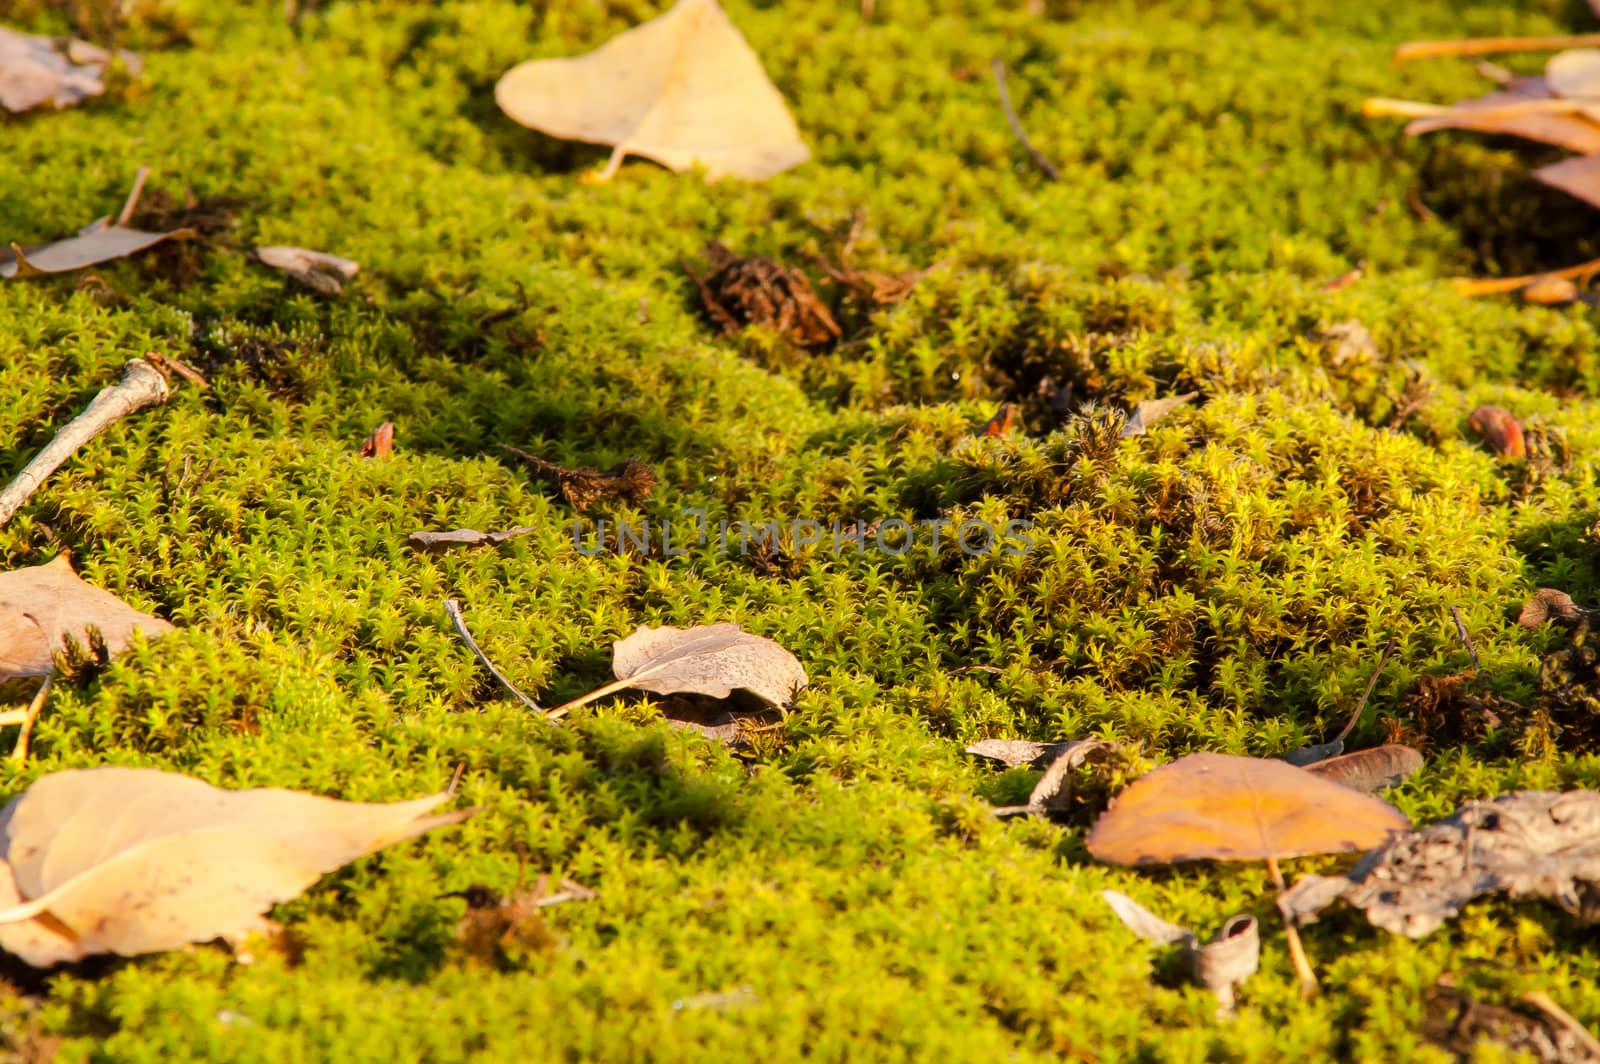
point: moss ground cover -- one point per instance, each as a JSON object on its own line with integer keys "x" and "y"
{"x": 1225, "y": 582}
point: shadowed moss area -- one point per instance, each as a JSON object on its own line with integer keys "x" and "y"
{"x": 1227, "y": 581}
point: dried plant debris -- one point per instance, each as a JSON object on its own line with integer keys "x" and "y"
{"x": 684, "y": 89}
{"x": 379, "y": 443}
{"x": 135, "y": 860}
{"x": 736, "y": 292}
{"x": 1346, "y": 343}
{"x": 43, "y": 607}
{"x": 316, "y": 270}
{"x": 1548, "y": 604}
{"x": 714, "y": 660}
{"x": 439, "y": 542}
{"x": 1219, "y": 965}
{"x": 102, "y": 240}
{"x": 1528, "y": 844}
{"x": 1150, "y": 411}
{"x": 1454, "y": 1020}
{"x": 1500, "y": 430}
{"x": 55, "y": 71}
{"x": 631, "y": 481}
{"x": 505, "y": 930}
{"x": 1003, "y": 422}
{"x": 1370, "y": 770}
{"x": 1054, "y": 791}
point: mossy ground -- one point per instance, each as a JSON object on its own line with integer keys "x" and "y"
{"x": 1226, "y": 582}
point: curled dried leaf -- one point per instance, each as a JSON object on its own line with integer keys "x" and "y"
{"x": 315, "y": 269}
{"x": 1150, "y": 411}
{"x": 1547, "y": 291}
{"x": 1219, "y": 965}
{"x": 1547, "y": 603}
{"x": 1370, "y": 770}
{"x": 60, "y": 72}
{"x": 379, "y": 443}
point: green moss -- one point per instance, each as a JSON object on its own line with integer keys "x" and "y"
{"x": 1226, "y": 581}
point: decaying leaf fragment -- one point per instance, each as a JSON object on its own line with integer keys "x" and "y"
{"x": 1150, "y": 411}
{"x": 438, "y": 542}
{"x": 1453, "y": 1019}
{"x": 379, "y": 442}
{"x": 684, "y": 89}
{"x": 136, "y": 860}
{"x": 712, "y": 659}
{"x": 736, "y": 292}
{"x": 1219, "y": 965}
{"x": 315, "y": 269}
{"x": 1500, "y": 430}
{"x": 102, "y": 240}
{"x": 61, "y": 72}
{"x": 1014, "y": 753}
{"x": 1529, "y": 844}
{"x": 501, "y": 929}
{"x": 44, "y": 606}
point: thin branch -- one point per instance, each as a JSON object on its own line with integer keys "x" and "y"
{"x": 19, "y": 753}
{"x": 1385, "y": 107}
{"x": 1461, "y": 630}
{"x": 142, "y": 385}
{"x": 1044, "y": 164}
{"x": 1491, "y": 45}
{"x": 1470, "y": 286}
{"x": 1350, "y": 724}
{"x": 132, "y": 202}
{"x": 453, "y": 608}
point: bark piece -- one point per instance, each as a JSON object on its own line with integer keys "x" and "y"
{"x": 1528, "y": 844}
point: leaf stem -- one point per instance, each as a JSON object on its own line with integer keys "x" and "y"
{"x": 1489, "y": 45}
{"x": 453, "y": 608}
{"x": 1297, "y": 951}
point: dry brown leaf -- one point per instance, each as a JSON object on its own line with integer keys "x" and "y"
{"x": 1150, "y": 411}
{"x": 1370, "y": 770}
{"x": 1221, "y": 964}
{"x": 1238, "y": 809}
{"x": 1500, "y": 430}
{"x": 1578, "y": 176}
{"x": 1004, "y": 420}
{"x": 438, "y": 542}
{"x": 684, "y": 89}
{"x": 102, "y": 240}
{"x": 1505, "y": 113}
{"x": 379, "y": 442}
{"x": 35, "y": 71}
{"x": 44, "y": 606}
{"x": 1546, "y": 603}
{"x": 1535, "y": 844}
{"x": 714, "y": 660}
{"x": 135, "y": 860}
{"x": 315, "y": 269}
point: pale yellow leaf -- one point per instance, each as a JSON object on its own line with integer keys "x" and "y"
{"x": 135, "y": 860}
{"x": 684, "y": 89}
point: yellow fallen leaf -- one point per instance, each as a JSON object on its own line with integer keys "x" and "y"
{"x": 684, "y": 89}
{"x": 136, "y": 860}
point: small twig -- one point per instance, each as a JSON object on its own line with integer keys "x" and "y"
{"x": 141, "y": 386}
{"x": 1461, "y": 630}
{"x": 1565, "y": 1020}
{"x": 1490, "y": 45}
{"x": 19, "y": 753}
{"x": 455, "y": 778}
{"x": 132, "y": 202}
{"x": 453, "y": 608}
{"x": 1044, "y": 164}
{"x": 1372, "y": 682}
{"x": 1470, "y": 286}
{"x": 167, "y": 364}
{"x": 1385, "y": 107}
{"x": 1297, "y": 950}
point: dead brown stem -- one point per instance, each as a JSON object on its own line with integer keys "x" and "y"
{"x": 1297, "y": 951}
